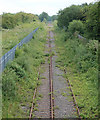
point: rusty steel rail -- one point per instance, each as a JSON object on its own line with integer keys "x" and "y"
{"x": 74, "y": 99}
{"x": 51, "y": 84}
{"x": 34, "y": 95}
{"x": 50, "y": 88}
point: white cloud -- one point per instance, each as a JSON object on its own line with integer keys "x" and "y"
{"x": 38, "y": 6}
{"x": 39, "y": 1}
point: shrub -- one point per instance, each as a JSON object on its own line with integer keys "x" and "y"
{"x": 18, "y": 52}
{"x": 8, "y": 21}
{"x": 11, "y": 20}
{"x": 76, "y": 25}
{"x": 17, "y": 69}
{"x": 9, "y": 84}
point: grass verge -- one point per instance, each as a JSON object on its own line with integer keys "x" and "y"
{"x": 81, "y": 62}
{"x": 19, "y": 78}
{"x": 10, "y": 37}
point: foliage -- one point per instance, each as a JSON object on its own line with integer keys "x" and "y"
{"x": 92, "y": 20}
{"x": 84, "y": 10}
{"x": 8, "y": 21}
{"x": 54, "y": 17}
{"x": 20, "y": 77}
{"x": 11, "y": 37}
{"x": 11, "y": 20}
{"x": 43, "y": 15}
{"x": 9, "y": 84}
{"x": 88, "y": 14}
{"x": 81, "y": 62}
{"x": 76, "y": 25}
{"x": 68, "y": 15}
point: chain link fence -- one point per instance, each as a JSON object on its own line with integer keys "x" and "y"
{"x": 9, "y": 56}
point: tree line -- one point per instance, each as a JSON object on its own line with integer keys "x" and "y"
{"x": 11, "y": 20}
{"x": 44, "y": 16}
{"x": 82, "y": 18}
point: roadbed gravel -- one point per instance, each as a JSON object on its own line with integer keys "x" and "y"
{"x": 63, "y": 101}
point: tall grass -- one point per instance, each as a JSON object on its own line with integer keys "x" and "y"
{"x": 19, "y": 79}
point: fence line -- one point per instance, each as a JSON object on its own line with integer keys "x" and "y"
{"x": 10, "y": 55}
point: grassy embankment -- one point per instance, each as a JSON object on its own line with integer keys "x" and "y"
{"x": 80, "y": 59}
{"x": 19, "y": 79}
{"x": 10, "y": 37}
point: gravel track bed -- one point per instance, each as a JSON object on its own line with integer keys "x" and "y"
{"x": 63, "y": 101}
{"x": 43, "y": 109}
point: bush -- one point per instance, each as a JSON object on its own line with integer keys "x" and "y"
{"x": 11, "y": 20}
{"x": 81, "y": 62}
{"x": 8, "y": 21}
{"x": 9, "y": 84}
{"x": 76, "y": 25}
{"x": 17, "y": 69}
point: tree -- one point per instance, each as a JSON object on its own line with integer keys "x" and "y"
{"x": 43, "y": 15}
{"x": 92, "y": 20}
{"x": 69, "y": 14}
{"x": 45, "y": 20}
{"x": 76, "y": 25}
{"x": 8, "y": 21}
{"x": 54, "y": 17}
{"x": 11, "y": 20}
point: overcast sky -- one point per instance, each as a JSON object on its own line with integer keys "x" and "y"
{"x": 38, "y": 6}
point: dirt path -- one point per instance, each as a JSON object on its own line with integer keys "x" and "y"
{"x": 63, "y": 102}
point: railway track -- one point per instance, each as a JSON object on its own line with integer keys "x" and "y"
{"x": 50, "y": 88}
{"x": 51, "y": 95}
{"x": 74, "y": 99}
{"x": 34, "y": 95}
{"x": 51, "y": 84}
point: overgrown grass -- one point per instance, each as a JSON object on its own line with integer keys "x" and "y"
{"x": 19, "y": 79}
{"x": 81, "y": 62}
{"x": 10, "y": 37}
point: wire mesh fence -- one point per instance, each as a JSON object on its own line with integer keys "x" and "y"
{"x": 10, "y": 55}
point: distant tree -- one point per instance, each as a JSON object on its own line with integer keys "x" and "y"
{"x": 54, "y": 17}
{"x": 45, "y": 20}
{"x": 22, "y": 17}
{"x": 43, "y": 15}
{"x": 69, "y": 14}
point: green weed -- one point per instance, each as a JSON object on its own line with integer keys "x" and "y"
{"x": 80, "y": 61}
{"x": 20, "y": 76}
